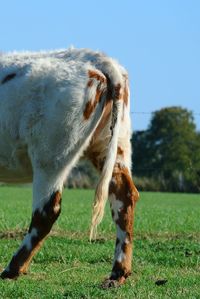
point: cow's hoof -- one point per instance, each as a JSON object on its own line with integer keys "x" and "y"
{"x": 9, "y": 275}
{"x": 113, "y": 283}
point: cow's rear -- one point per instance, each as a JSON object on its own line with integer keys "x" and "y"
{"x": 55, "y": 107}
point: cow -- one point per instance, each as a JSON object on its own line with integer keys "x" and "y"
{"x": 55, "y": 107}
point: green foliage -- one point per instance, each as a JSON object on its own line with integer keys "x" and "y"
{"x": 169, "y": 151}
{"x": 166, "y": 248}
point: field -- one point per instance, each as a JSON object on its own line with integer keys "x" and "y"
{"x": 166, "y": 259}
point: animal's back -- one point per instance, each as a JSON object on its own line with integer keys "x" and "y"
{"x": 38, "y": 91}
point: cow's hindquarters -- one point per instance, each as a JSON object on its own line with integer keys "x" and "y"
{"x": 51, "y": 167}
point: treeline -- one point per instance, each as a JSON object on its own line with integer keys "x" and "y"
{"x": 166, "y": 156}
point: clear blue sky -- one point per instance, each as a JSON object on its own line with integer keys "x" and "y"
{"x": 158, "y": 41}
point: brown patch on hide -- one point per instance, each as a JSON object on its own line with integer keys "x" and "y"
{"x": 125, "y": 92}
{"x": 8, "y": 78}
{"x": 89, "y": 108}
{"x": 44, "y": 220}
{"x": 91, "y": 105}
{"x": 90, "y": 83}
{"x": 97, "y": 76}
{"x": 124, "y": 182}
{"x": 124, "y": 189}
{"x": 120, "y": 151}
{"x": 57, "y": 203}
{"x": 118, "y": 91}
{"x": 125, "y": 98}
{"x": 95, "y": 159}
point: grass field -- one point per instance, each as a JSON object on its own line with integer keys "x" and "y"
{"x": 166, "y": 248}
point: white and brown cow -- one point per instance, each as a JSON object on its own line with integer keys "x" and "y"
{"x": 55, "y": 107}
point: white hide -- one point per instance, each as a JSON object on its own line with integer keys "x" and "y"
{"x": 42, "y": 128}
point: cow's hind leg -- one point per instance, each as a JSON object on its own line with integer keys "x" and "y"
{"x": 46, "y": 209}
{"x": 122, "y": 196}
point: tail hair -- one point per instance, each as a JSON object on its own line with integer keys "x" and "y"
{"x": 115, "y": 80}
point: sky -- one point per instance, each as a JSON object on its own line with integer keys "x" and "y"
{"x": 158, "y": 42}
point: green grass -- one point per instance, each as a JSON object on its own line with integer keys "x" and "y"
{"x": 166, "y": 247}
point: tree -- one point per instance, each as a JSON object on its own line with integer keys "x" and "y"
{"x": 171, "y": 150}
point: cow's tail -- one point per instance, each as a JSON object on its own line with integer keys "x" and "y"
{"x": 115, "y": 93}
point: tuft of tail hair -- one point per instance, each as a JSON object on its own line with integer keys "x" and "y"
{"x": 114, "y": 76}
